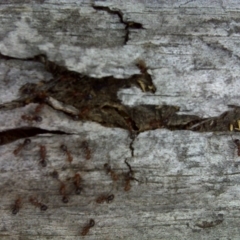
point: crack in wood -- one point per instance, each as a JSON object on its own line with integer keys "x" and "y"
{"x": 12, "y": 135}
{"x": 128, "y": 24}
{"x": 95, "y": 99}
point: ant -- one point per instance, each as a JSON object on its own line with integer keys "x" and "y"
{"x": 86, "y": 229}
{"x": 105, "y": 198}
{"x": 129, "y": 177}
{"x": 31, "y": 118}
{"x": 87, "y": 150}
{"x": 54, "y": 174}
{"x": 109, "y": 170}
{"x": 69, "y": 156}
{"x": 237, "y": 143}
{"x": 62, "y": 189}
{"x": 17, "y": 205}
{"x": 142, "y": 66}
{"x": 77, "y": 182}
{"x": 21, "y": 146}
{"x": 36, "y": 203}
{"x": 43, "y": 154}
{"x": 62, "y": 192}
{"x": 41, "y": 97}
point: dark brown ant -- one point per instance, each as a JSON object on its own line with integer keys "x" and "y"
{"x": 28, "y": 89}
{"x": 77, "y": 182}
{"x": 54, "y": 174}
{"x": 142, "y": 66}
{"x": 36, "y": 203}
{"x": 21, "y": 146}
{"x": 62, "y": 192}
{"x": 129, "y": 176}
{"x": 43, "y": 153}
{"x": 62, "y": 189}
{"x": 31, "y": 118}
{"x": 69, "y": 156}
{"x": 112, "y": 173}
{"x": 75, "y": 118}
{"x": 86, "y": 150}
{"x": 17, "y": 205}
{"x": 105, "y": 198}
{"x": 42, "y": 97}
{"x": 86, "y": 228}
{"x": 127, "y": 186}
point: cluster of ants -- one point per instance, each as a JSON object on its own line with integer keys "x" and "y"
{"x": 34, "y": 117}
{"x": 76, "y": 179}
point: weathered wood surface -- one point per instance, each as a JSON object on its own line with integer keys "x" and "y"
{"x": 188, "y": 181}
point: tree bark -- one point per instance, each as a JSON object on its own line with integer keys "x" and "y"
{"x": 168, "y": 181}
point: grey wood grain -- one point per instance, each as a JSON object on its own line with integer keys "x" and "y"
{"x": 188, "y": 182}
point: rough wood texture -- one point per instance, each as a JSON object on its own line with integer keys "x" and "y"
{"x": 187, "y": 184}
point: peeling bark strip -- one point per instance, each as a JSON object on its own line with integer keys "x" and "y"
{"x": 95, "y": 99}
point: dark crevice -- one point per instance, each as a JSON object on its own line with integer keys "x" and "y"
{"x": 133, "y": 136}
{"x": 87, "y": 98}
{"x": 128, "y": 24}
{"x": 5, "y": 57}
{"x": 12, "y": 135}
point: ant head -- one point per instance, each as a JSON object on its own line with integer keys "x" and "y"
{"x": 43, "y": 163}
{"x": 63, "y": 147}
{"x": 38, "y": 119}
{"x": 78, "y": 190}
{"x": 91, "y": 223}
{"x": 76, "y": 117}
{"x": 110, "y": 198}
{"x": 130, "y": 174}
{"x": 54, "y": 174}
{"x": 27, "y": 141}
{"x": 65, "y": 199}
{"x": 15, "y": 211}
{"x": 107, "y": 167}
{"x": 236, "y": 141}
{"x": 43, "y": 207}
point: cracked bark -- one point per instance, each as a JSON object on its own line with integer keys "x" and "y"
{"x": 128, "y": 25}
{"x": 74, "y": 65}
